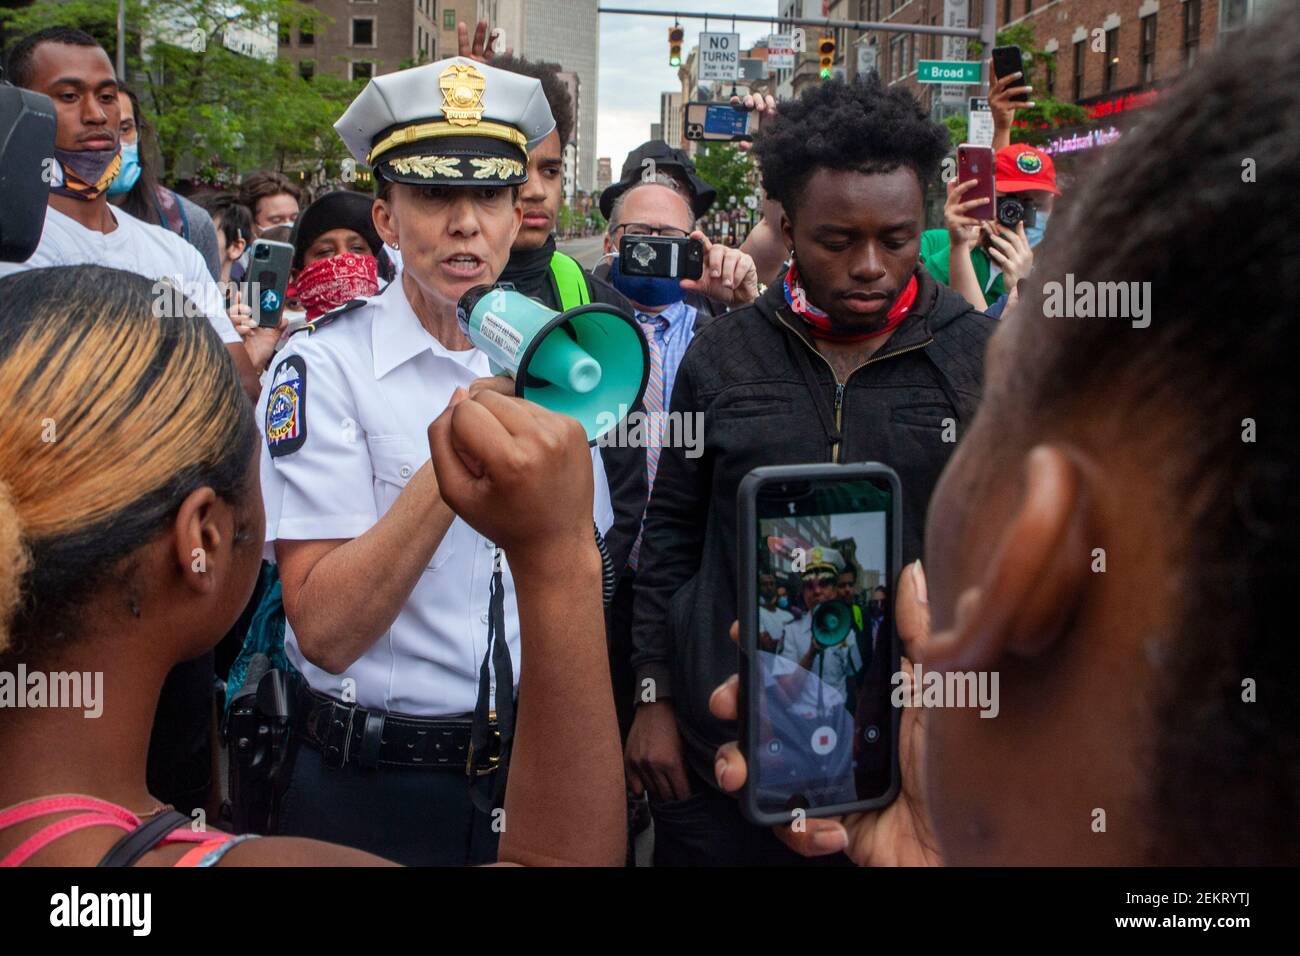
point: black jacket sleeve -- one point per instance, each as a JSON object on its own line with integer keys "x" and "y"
{"x": 672, "y": 543}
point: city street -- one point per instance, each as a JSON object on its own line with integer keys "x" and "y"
{"x": 587, "y": 251}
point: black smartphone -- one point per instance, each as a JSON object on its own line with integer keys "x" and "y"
{"x": 818, "y": 651}
{"x": 267, "y": 280}
{"x": 1008, "y": 60}
{"x": 661, "y": 256}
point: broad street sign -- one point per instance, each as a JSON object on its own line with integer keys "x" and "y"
{"x": 947, "y": 71}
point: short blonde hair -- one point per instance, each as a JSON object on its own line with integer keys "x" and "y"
{"x": 112, "y": 416}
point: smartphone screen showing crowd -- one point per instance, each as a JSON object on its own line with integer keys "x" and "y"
{"x": 819, "y": 731}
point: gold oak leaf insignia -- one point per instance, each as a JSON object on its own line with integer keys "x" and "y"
{"x": 429, "y": 166}
{"x": 497, "y": 166}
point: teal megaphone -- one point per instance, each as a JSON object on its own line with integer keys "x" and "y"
{"x": 831, "y": 622}
{"x": 590, "y": 363}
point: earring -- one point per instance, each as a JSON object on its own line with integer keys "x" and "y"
{"x": 397, "y": 246}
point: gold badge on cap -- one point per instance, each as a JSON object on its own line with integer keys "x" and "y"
{"x": 462, "y": 87}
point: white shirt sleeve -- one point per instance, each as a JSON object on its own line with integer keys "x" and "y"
{"x": 207, "y": 295}
{"x": 325, "y": 488}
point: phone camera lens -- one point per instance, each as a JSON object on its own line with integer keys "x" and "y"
{"x": 872, "y": 734}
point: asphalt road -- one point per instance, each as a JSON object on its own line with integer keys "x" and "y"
{"x": 587, "y": 251}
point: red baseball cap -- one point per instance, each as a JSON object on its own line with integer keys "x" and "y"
{"x": 1020, "y": 167}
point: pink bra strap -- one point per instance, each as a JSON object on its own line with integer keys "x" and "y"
{"x": 62, "y": 803}
{"x": 54, "y": 831}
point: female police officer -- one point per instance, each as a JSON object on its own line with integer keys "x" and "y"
{"x": 386, "y": 593}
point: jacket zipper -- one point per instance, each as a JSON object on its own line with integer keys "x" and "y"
{"x": 841, "y": 387}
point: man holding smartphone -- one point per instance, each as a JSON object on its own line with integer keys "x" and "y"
{"x": 856, "y": 354}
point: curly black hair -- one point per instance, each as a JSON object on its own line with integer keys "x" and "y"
{"x": 837, "y": 125}
{"x": 556, "y": 93}
{"x": 1206, "y": 392}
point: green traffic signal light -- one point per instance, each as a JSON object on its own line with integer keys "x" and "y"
{"x": 674, "y": 60}
{"x": 826, "y": 74}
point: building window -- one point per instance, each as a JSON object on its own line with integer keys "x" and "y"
{"x": 305, "y": 35}
{"x": 449, "y": 19}
{"x": 286, "y": 34}
{"x": 306, "y": 69}
{"x": 1049, "y": 66}
{"x": 1147, "y": 56}
{"x": 1079, "y": 47}
{"x": 1006, "y": 11}
{"x": 896, "y": 55}
{"x": 1233, "y": 14}
{"x": 1191, "y": 31}
{"x": 362, "y": 70}
{"x": 419, "y": 40}
{"x": 1029, "y": 6}
{"x": 363, "y": 31}
{"x": 1112, "y": 60}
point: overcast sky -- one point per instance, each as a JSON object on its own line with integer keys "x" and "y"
{"x": 634, "y": 66}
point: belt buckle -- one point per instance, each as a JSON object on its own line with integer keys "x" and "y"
{"x": 335, "y": 755}
{"x": 493, "y": 762}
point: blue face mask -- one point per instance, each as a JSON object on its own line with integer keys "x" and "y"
{"x": 129, "y": 174}
{"x": 1035, "y": 233}
{"x": 783, "y": 601}
{"x": 645, "y": 290}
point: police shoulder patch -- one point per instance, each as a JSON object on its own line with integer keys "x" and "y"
{"x": 286, "y": 407}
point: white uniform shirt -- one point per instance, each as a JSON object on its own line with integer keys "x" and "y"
{"x": 773, "y": 621}
{"x": 834, "y": 666}
{"x": 134, "y": 246}
{"x": 375, "y": 379}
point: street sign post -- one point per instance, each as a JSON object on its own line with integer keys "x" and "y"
{"x": 720, "y": 57}
{"x": 979, "y": 122}
{"x": 780, "y": 51}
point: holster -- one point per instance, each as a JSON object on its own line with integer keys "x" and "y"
{"x": 260, "y": 745}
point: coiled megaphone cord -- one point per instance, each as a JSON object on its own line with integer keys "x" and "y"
{"x": 606, "y": 566}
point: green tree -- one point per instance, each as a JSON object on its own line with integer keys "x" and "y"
{"x": 726, "y": 169}
{"x": 215, "y": 110}
{"x": 1048, "y": 113}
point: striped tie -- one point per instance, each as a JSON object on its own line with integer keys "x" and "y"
{"x": 654, "y": 327}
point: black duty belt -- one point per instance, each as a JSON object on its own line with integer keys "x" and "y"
{"x": 346, "y": 733}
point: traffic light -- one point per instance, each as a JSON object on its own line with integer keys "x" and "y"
{"x": 826, "y": 48}
{"x": 675, "y": 35}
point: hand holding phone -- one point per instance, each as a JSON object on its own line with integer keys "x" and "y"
{"x": 268, "y": 271}
{"x": 1008, "y": 60}
{"x": 661, "y": 257}
{"x": 976, "y": 162}
{"x": 818, "y": 729}
{"x": 899, "y": 834}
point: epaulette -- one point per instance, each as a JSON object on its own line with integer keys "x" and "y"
{"x": 329, "y": 317}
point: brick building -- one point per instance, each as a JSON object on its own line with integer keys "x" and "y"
{"x": 369, "y": 37}
{"x": 1110, "y": 56}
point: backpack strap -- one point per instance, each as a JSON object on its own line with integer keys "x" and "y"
{"x": 570, "y": 282}
{"x": 144, "y": 838}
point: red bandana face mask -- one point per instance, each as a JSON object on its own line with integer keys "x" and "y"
{"x": 819, "y": 323}
{"x": 329, "y": 283}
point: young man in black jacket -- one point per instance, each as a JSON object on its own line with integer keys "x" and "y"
{"x": 855, "y": 355}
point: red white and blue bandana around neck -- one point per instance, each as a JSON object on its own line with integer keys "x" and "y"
{"x": 819, "y": 323}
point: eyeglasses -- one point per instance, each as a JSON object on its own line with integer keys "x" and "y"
{"x": 645, "y": 229}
